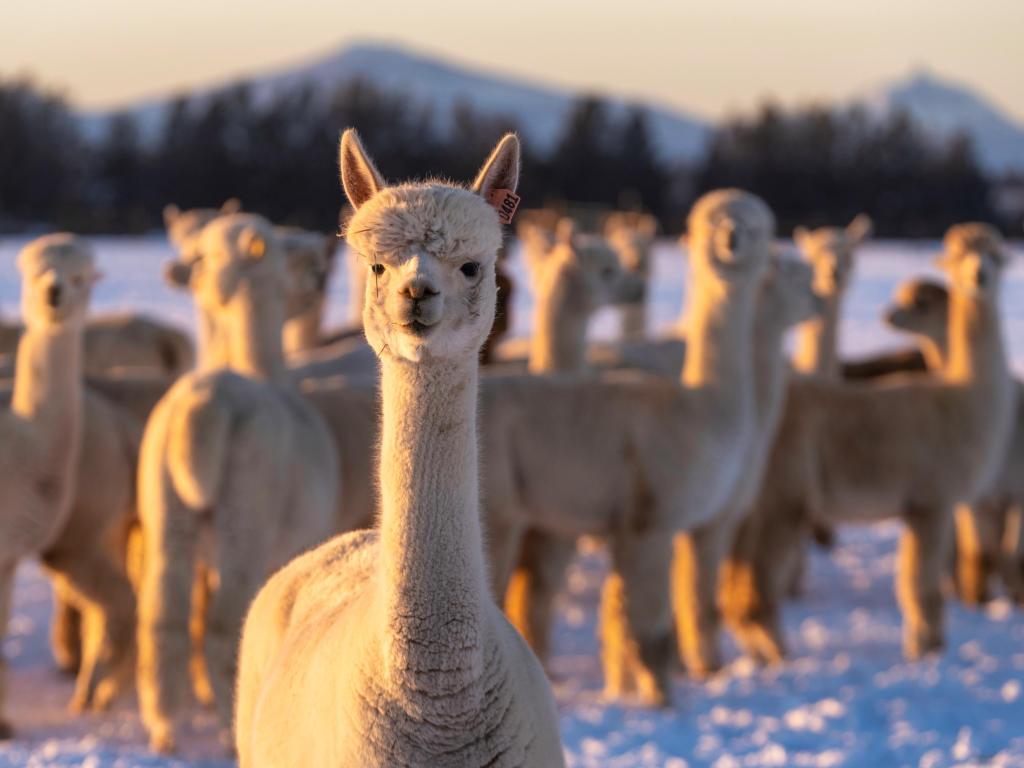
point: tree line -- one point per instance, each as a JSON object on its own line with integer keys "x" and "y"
{"x": 278, "y": 154}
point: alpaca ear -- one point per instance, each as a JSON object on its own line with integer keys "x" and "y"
{"x": 565, "y": 232}
{"x": 171, "y": 214}
{"x": 501, "y": 170}
{"x": 648, "y": 226}
{"x": 177, "y": 274}
{"x": 859, "y": 230}
{"x": 231, "y": 205}
{"x": 359, "y": 176}
{"x": 613, "y": 224}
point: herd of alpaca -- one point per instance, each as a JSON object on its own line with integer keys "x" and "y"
{"x": 349, "y": 542}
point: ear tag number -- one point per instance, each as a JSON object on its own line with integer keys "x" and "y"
{"x": 505, "y": 202}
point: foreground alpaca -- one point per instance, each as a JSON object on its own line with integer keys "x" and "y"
{"x": 908, "y": 446}
{"x": 989, "y": 531}
{"x": 41, "y": 432}
{"x": 385, "y": 649}
{"x": 787, "y": 298}
{"x": 236, "y": 456}
{"x": 636, "y": 458}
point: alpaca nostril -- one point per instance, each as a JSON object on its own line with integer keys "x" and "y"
{"x": 420, "y": 289}
{"x": 53, "y": 294}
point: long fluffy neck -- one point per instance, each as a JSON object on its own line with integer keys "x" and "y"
{"x": 302, "y": 332}
{"x": 769, "y": 363}
{"x": 818, "y": 341}
{"x": 560, "y": 322}
{"x": 251, "y": 333}
{"x": 213, "y": 349}
{"x": 431, "y": 549}
{"x": 48, "y": 387}
{"x": 719, "y": 346}
{"x": 976, "y": 351}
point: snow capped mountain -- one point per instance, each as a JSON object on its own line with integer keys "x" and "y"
{"x": 540, "y": 110}
{"x": 944, "y": 108}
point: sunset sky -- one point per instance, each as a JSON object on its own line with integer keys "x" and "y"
{"x": 709, "y": 58}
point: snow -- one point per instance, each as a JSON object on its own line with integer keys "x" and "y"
{"x": 845, "y": 698}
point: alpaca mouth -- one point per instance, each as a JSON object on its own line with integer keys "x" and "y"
{"x": 416, "y": 328}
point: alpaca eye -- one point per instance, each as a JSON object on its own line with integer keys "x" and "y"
{"x": 378, "y": 269}
{"x": 470, "y": 269}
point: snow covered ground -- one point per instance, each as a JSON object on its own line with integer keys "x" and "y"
{"x": 845, "y": 698}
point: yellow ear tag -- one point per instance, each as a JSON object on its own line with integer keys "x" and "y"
{"x": 258, "y": 248}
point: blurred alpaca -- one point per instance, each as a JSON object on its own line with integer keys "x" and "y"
{"x": 41, "y": 433}
{"x": 384, "y": 648}
{"x": 235, "y": 456}
{"x": 632, "y": 237}
{"x": 908, "y": 446}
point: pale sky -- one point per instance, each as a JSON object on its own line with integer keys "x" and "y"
{"x": 709, "y": 58}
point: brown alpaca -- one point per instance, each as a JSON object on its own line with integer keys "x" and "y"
{"x": 912, "y": 447}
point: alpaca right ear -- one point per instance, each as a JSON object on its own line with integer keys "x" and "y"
{"x": 171, "y": 214}
{"x": 800, "y": 235}
{"x": 359, "y": 176}
{"x": 501, "y": 170}
{"x": 859, "y": 229}
{"x": 231, "y": 205}
{"x": 565, "y": 231}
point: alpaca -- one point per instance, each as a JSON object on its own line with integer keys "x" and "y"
{"x": 384, "y": 648}
{"x": 119, "y": 344}
{"x": 787, "y": 298}
{"x": 908, "y": 446}
{"x": 235, "y": 456}
{"x": 635, "y": 457}
{"x": 830, "y": 250}
{"x": 632, "y": 237}
{"x": 310, "y": 257}
{"x": 41, "y": 432}
{"x": 985, "y": 530}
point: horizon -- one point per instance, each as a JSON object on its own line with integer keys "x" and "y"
{"x": 799, "y": 65}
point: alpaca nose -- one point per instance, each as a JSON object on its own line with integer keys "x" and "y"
{"x": 420, "y": 288}
{"x": 53, "y": 294}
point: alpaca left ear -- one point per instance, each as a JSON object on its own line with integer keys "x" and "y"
{"x": 501, "y": 171}
{"x": 859, "y": 229}
{"x": 359, "y": 176}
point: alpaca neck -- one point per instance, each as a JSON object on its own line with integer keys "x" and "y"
{"x": 935, "y": 353}
{"x": 818, "y": 341}
{"x": 431, "y": 547}
{"x": 48, "y": 386}
{"x": 213, "y": 351}
{"x": 302, "y": 332}
{"x": 251, "y": 334}
{"x": 559, "y": 325}
{"x": 718, "y": 353}
{"x": 769, "y": 364}
{"x": 976, "y": 352}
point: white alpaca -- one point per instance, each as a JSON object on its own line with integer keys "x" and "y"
{"x": 787, "y": 298}
{"x": 989, "y": 531}
{"x": 384, "y": 649}
{"x": 637, "y": 458}
{"x": 41, "y": 433}
{"x": 632, "y": 237}
{"x": 235, "y": 456}
{"x": 913, "y": 446}
{"x": 310, "y": 257}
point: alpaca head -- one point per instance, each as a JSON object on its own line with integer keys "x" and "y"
{"x": 788, "y": 293}
{"x": 431, "y": 249}
{"x": 973, "y": 259}
{"x": 309, "y": 257}
{"x": 236, "y": 256}
{"x": 58, "y": 273}
{"x": 632, "y": 237}
{"x": 729, "y": 236}
{"x": 920, "y": 307}
{"x": 182, "y": 227}
{"x": 589, "y": 268}
{"x": 830, "y": 251}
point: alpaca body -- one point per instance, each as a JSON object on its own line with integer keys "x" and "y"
{"x": 236, "y": 458}
{"x": 385, "y": 649}
{"x": 913, "y": 447}
{"x": 41, "y": 433}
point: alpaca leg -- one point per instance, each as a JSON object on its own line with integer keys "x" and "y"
{"x": 6, "y": 597}
{"x": 102, "y": 591}
{"x": 534, "y": 586}
{"x": 636, "y": 619}
{"x": 695, "y": 577}
{"x": 164, "y": 609}
{"x": 973, "y": 559}
{"x": 504, "y": 543}
{"x": 201, "y": 686}
{"x": 923, "y": 551}
{"x": 752, "y": 589}
{"x": 1011, "y": 554}
{"x": 65, "y": 629}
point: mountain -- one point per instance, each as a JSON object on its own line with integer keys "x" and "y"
{"x": 944, "y": 107}
{"x": 540, "y": 110}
